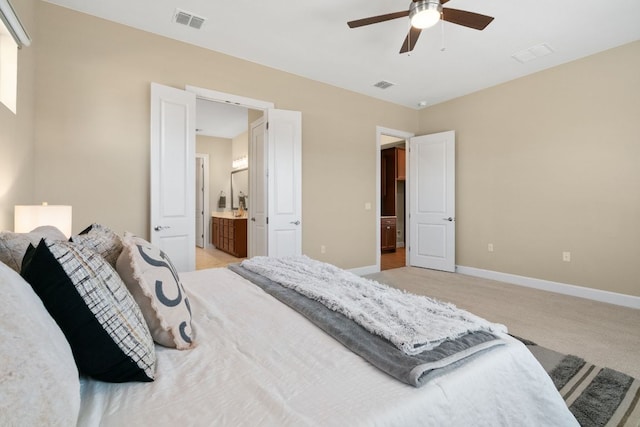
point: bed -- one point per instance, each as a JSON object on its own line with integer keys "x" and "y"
{"x": 256, "y": 361}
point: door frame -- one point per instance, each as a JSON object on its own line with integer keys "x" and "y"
{"x": 206, "y": 224}
{"x": 228, "y": 98}
{"x": 380, "y": 130}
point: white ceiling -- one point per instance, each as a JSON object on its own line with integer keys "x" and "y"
{"x": 220, "y": 120}
{"x": 311, "y": 39}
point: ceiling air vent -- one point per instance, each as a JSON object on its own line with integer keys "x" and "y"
{"x": 534, "y": 52}
{"x": 384, "y": 84}
{"x": 189, "y": 19}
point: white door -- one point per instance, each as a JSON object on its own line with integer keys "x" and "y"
{"x": 275, "y": 169}
{"x": 173, "y": 174}
{"x": 257, "y": 189}
{"x": 284, "y": 139}
{"x": 432, "y": 201}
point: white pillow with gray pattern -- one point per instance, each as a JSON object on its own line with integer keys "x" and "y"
{"x": 154, "y": 283}
{"x": 14, "y": 245}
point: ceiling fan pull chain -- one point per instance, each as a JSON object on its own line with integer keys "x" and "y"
{"x": 443, "y": 47}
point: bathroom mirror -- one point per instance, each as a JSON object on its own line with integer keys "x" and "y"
{"x": 240, "y": 189}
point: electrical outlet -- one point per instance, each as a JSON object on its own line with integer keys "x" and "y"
{"x": 323, "y": 249}
{"x": 566, "y": 256}
{"x": 490, "y": 247}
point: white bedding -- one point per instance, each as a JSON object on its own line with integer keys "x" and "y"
{"x": 257, "y": 362}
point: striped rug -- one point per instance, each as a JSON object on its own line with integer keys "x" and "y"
{"x": 596, "y": 396}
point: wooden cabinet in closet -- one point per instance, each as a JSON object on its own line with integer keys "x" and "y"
{"x": 388, "y": 234}
{"x": 392, "y": 169}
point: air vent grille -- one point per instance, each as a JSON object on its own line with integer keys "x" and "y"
{"x": 189, "y": 19}
{"x": 532, "y": 53}
{"x": 382, "y": 84}
{"x": 196, "y": 22}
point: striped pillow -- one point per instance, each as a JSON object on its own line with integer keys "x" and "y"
{"x": 109, "y": 338}
{"x": 102, "y": 240}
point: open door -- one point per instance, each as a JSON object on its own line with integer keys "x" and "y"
{"x": 173, "y": 174}
{"x": 284, "y": 139}
{"x": 275, "y": 214}
{"x": 432, "y": 201}
{"x": 257, "y": 223}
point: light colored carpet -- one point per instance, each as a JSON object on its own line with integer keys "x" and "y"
{"x": 604, "y": 334}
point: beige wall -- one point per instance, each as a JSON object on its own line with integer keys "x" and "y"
{"x": 545, "y": 164}
{"x": 219, "y": 151}
{"x": 92, "y": 129}
{"x": 551, "y": 163}
{"x": 17, "y": 130}
{"x": 240, "y": 146}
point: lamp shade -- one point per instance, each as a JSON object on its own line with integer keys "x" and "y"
{"x": 28, "y": 217}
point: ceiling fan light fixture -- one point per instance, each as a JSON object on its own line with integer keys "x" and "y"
{"x": 425, "y": 13}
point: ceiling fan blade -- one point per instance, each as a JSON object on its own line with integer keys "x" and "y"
{"x": 410, "y": 40}
{"x": 376, "y": 19}
{"x": 466, "y": 19}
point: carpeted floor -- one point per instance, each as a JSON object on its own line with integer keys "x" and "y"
{"x": 596, "y": 396}
{"x": 604, "y": 334}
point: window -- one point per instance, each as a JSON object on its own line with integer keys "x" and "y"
{"x": 13, "y": 36}
{"x": 8, "y": 68}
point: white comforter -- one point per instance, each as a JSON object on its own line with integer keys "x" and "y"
{"x": 259, "y": 363}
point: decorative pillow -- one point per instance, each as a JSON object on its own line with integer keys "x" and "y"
{"x": 102, "y": 240}
{"x": 154, "y": 283}
{"x": 14, "y": 245}
{"x": 39, "y": 382}
{"x": 108, "y": 335}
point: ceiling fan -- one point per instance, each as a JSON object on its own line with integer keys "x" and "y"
{"x": 424, "y": 14}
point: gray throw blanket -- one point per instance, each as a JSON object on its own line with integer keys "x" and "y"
{"x": 413, "y": 323}
{"x": 415, "y": 370}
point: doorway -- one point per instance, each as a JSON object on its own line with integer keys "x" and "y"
{"x": 392, "y": 219}
{"x": 281, "y": 143}
{"x": 222, "y": 137}
{"x": 393, "y": 208}
{"x": 429, "y": 198}
{"x": 173, "y": 125}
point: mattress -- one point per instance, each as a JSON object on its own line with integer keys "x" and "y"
{"x": 258, "y": 362}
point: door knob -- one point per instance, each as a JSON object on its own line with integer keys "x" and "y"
{"x": 253, "y": 219}
{"x": 295, "y": 222}
{"x": 448, "y": 219}
{"x": 161, "y": 227}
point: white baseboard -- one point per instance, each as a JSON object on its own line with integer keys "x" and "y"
{"x": 399, "y": 244}
{"x": 363, "y": 271}
{"x": 560, "y": 288}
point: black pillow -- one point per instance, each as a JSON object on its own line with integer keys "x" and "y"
{"x": 109, "y": 338}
